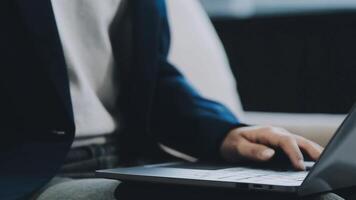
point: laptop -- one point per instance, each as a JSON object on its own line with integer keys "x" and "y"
{"x": 336, "y": 169}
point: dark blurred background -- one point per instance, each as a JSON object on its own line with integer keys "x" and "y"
{"x": 284, "y": 61}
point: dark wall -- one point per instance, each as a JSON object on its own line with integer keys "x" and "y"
{"x": 301, "y": 64}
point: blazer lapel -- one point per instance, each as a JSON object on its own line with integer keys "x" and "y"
{"x": 145, "y": 62}
{"x": 39, "y": 17}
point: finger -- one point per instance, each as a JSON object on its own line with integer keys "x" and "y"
{"x": 265, "y": 135}
{"x": 286, "y": 142}
{"x": 290, "y": 147}
{"x": 253, "y": 151}
{"x": 278, "y": 138}
{"x": 312, "y": 149}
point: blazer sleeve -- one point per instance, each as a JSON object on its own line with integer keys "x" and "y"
{"x": 181, "y": 117}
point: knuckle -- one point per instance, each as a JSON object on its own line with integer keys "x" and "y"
{"x": 283, "y": 130}
{"x": 279, "y": 129}
{"x": 269, "y": 128}
{"x": 299, "y": 156}
{"x": 287, "y": 140}
{"x": 275, "y": 130}
{"x": 311, "y": 143}
{"x": 308, "y": 142}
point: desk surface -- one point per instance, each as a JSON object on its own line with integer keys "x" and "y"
{"x": 258, "y": 8}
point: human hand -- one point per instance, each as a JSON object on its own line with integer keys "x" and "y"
{"x": 257, "y": 143}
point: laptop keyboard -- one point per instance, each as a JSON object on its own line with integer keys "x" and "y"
{"x": 249, "y": 175}
{"x": 283, "y": 176}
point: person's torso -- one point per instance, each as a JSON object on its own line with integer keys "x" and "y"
{"x": 83, "y": 27}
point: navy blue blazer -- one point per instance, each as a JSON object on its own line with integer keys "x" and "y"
{"x": 36, "y": 117}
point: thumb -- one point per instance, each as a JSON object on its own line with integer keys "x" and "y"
{"x": 254, "y": 151}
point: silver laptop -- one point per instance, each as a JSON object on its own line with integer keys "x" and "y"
{"x": 335, "y": 169}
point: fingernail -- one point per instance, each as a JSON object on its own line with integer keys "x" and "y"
{"x": 268, "y": 153}
{"x": 301, "y": 164}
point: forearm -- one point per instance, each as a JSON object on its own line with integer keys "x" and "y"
{"x": 184, "y": 120}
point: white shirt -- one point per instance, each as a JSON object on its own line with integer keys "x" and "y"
{"x": 83, "y": 27}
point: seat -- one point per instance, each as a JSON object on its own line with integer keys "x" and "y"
{"x": 198, "y": 53}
